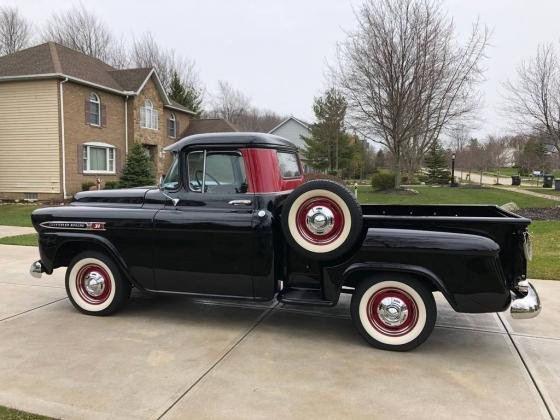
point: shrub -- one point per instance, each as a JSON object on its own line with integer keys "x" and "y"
{"x": 87, "y": 185}
{"x": 111, "y": 185}
{"x": 138, "y": 170}
{"x": 383, "y": 181}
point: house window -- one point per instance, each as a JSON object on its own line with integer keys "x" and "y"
{"x": 99, "y": 158}
{"x": 94, "y": 111}
{"x": 148, "y": 116}
{"x": 172, "y": 126}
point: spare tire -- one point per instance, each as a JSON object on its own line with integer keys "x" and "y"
{"x": 322, "y": 220}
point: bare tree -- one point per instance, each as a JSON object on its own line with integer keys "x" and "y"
{"x": 405, "y": 77}
{"x": 81, "y": 30}
{"x": 495, "y": 154}
{"x": 146, "y": 52}
{"x": 259, "y": 120}
{"x": 533, "y": 100}
{"x": 15, "y": 31}
{"x": 229, "y": 103}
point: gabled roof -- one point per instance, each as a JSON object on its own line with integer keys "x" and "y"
{"x": 52, "y": 60}
{"x": 209, "y": 125}
{"x": 300, "y": 122}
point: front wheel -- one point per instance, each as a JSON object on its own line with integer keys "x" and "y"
{"x": 95, "y": 285}
{"x": 397, "y": 313}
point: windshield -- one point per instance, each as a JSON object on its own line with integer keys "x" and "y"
{"x": 171, "y": 180}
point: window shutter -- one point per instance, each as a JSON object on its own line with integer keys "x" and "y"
{"x": 118, "y": 161}
{"x": 86, "y": 112}
{"x": 168, "y": 127}
{"x": 103, "y": 110}
{"x": 80, "y": 159}
{"x": 177, "y": 127}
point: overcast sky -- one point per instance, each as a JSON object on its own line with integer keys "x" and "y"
{"x": 276, "y": 51}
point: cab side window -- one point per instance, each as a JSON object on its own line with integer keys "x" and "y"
{"x": 216, "y": 172}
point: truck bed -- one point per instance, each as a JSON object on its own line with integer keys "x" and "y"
{"x": 503, "y": 227}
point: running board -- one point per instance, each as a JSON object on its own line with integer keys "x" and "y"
{"x": 303, "y": 296}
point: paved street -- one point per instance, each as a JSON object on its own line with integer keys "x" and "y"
{"x": 176, "y": 357}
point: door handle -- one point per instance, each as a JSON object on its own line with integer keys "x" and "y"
{"x": 240, "y": 202}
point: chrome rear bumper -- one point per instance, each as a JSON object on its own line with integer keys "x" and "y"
{"x": 526, "y": 306}
{"x": 36, "y": 269}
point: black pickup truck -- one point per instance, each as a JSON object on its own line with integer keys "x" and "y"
{"x": 234, "y": 218}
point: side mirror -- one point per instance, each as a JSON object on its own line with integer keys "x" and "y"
{"x": 161, "y": 188}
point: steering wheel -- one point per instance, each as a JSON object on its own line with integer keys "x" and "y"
{"x": 199, "y": 182}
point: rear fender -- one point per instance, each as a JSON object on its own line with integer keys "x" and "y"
{"x": 356, "y": 272}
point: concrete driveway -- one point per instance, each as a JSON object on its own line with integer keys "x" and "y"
{"x": 176, "y": 357}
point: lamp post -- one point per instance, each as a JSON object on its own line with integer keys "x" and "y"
{"x": 453, "y": 170}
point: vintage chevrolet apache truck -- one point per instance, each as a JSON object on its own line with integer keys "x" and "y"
{"x": 234, "y": 218}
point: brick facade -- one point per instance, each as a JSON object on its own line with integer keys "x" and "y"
{"x": 78, "y": 131}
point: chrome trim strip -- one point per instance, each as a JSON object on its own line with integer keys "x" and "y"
{"x": 73, "y": 225}
{"x": 240, "y": 202}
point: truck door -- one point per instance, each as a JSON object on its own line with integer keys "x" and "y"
{"x": 205, "y": 244}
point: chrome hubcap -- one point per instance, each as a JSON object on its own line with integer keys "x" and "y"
{"x": 94, "y": 283}
{"x": 320, "y": 220}
{"x": 392, "y": 311}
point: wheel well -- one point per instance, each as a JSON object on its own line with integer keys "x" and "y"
{"x": 69, "y": 250}
{"x": 353, "y": 279}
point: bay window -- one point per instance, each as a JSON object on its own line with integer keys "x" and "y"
{"x": 98, "y": 158}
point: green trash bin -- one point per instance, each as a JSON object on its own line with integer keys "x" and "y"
{"x": 515, "y": 180}
{"x": 547, "y": 181}
{"x": 557, "y": 184}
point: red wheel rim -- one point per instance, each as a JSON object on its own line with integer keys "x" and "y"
{"x": 392, "y": 312}
{"x": 328, "y": 206}
{"x": 88, "y": 286}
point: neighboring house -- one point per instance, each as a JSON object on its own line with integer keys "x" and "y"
{"x": 292, "y": 129}
{"x": 209, "y": 125}
{"x": 67, "y": 118}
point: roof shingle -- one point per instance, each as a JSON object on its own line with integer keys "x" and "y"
{"x": 208, "y": 125}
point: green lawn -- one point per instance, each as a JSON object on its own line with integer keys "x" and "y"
{"x": 26, "y": 240}
{"x": 11, "y": 414}
{"x": 549, "y": 191}
{"x": 506, "y": 171}
{"x": 447, "y": 195}
{"x": 546, "y": 250}
{"x": 16, "y": 214}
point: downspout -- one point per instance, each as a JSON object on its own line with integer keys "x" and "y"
{"x": 126, "y": 125}
{"x": 61, "y": 94}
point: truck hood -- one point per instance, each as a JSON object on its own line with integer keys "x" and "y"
{"x": 119, "y": 196}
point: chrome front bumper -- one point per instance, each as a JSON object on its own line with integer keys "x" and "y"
{"x": 525, "y": 302}
{"x": 36, "y": 269}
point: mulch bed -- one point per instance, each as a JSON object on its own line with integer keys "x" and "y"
{"x": 552, "y": 213}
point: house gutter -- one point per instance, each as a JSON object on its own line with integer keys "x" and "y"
{"x": 126, "y": 125}
{"x": 61, "y": 110}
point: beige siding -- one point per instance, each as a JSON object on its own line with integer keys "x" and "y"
{"x": 29, "y": 137}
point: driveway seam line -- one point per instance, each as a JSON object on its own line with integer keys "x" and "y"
{"x": 257, "y": 322}
{"x": 548, "y": 409}
{"x": 32, "y": 309}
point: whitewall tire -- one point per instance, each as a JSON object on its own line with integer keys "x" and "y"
{"x": 94, "y": 284}
{"x": 394, "y": 312}
{"x": 322, "y": 220}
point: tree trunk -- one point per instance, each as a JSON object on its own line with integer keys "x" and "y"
{"x": 397, "y": 172}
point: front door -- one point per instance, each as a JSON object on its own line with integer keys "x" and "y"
{"x": 205, "y": 244}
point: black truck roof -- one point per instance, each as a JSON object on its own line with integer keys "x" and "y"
{"x": 243, "y": 139}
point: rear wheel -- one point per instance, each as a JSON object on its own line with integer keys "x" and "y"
{"x": 95, "y": 285}
{"x": 396, "y": 313}
{"x": 322, "y": 220}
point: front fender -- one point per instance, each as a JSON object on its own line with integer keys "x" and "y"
{"x": 52, "y": 248}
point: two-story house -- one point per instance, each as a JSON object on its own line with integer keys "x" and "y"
{"x": 67, "y": 118}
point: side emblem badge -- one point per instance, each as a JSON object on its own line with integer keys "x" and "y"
{"x": 73, "y": 225}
